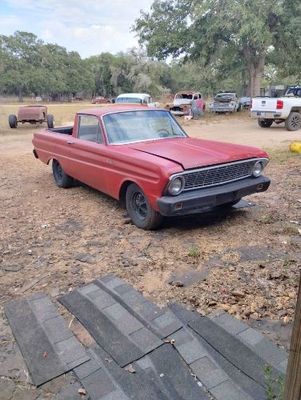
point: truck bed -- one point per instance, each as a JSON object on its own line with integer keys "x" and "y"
{"x": 65, "y": 130}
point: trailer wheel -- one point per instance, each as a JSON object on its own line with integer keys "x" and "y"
{"x": 50, "y": 121}
{"x": 293, "y": 122}
{"x": 61, "y": 178}
{"x": 13, "y": 121}
{"x": 139, "y": 209}
{"x": 265, "y": 123}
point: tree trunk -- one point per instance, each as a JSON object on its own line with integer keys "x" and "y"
{"x": 255, "y": 66}
{"x": 256, "y": 70}
{"x": 20, "y": 95}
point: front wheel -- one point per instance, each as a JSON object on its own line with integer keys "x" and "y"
{"x": 139, "y": 209}
{"x": 265, "y": 123}
{"x": 61, "y": 178}
{"x": 293, "y": 122}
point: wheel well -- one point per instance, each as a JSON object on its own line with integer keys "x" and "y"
{"x": 122, "y": 192}
{"x": 296, "y": 109}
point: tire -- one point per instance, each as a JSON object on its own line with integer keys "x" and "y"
{"x": 50, "y": 121}
{"x": 61, "y": 178}
{"x": 13, "y": 121}
{"x": 139, "y": 209}
{"x": 293, "y": 122}
{"x": 265, "y": 123}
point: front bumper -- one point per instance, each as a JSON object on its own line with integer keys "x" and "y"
{"x": 222, "y": 109}
{"x": 180, "y": 113}
{"x": 200, "y": 200}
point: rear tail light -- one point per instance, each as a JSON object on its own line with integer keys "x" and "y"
{"x": 279, "y": 104}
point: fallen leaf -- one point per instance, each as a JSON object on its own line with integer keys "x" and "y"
{"x": 82, "y": 392}
{"x": 130, "y": 368}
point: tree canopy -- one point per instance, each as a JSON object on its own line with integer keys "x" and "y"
{"x": 224, "y": 36}
{"x": 203, "y": 45}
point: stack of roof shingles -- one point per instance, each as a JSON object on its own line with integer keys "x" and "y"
{"x": 142, "y": 351}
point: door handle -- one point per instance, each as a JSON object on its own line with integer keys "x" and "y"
{"x": 70, "y": 142}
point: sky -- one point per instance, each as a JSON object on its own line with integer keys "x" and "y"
{"x": 89, "y": 27}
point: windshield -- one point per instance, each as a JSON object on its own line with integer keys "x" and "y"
{"x": 187, "y": 96}
{"x": 295, "y": 91}
{"x": 136, "y": 126}
{"x": 134, "y": 100}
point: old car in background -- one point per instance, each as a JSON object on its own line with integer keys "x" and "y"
{"x": 32, "y": 114}
{"x": 142, "y": 157}
{"x": 245, "y": 103}
{"x": 136, "y": 98}
{"x": 187, "y": 102}
{"x": 225, "y": 102}
{"x": 100, "y": 100}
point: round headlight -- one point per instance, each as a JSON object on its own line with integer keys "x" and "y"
{"x": 176, "y": 185}
{"x": 257, "y": 169}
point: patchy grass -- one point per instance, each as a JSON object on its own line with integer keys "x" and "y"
{"x": 274, "y": 386}
{"x": 194, "y": 252}
{"x": 281, "y": 156}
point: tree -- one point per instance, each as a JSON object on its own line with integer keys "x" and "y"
{"x": 287, "y": 55}
{"x": 29, "y": 66}
{"x": 214, "y": 33}
{"x": 19, "y": 55}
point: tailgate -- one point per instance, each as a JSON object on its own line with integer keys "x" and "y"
{"x": 264, "y": 104}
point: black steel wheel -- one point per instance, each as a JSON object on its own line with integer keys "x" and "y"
{"x": 139, "y": 209}
{"x": 61, "y": 178}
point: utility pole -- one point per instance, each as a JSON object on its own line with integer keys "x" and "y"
{"x": 292, "y": 389}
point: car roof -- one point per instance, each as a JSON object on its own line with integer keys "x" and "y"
{"x": 33, "y": 105}
{"x": 133, "y": 95}
{"x": 115, "y": 108}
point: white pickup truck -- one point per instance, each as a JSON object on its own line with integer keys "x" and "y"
{"x": 285, "y": 109}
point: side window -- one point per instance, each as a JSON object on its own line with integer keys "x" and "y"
{"x": 88, "y": 129}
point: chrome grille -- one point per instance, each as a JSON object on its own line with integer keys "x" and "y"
{"x": 218, "y": 175}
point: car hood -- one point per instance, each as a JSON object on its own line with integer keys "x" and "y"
{"x": 195, "y": 153}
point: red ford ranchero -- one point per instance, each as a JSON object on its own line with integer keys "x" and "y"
{"x": 142, "y": 157}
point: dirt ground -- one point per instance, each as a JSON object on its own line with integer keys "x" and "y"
{"x": 245, "y": 261}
